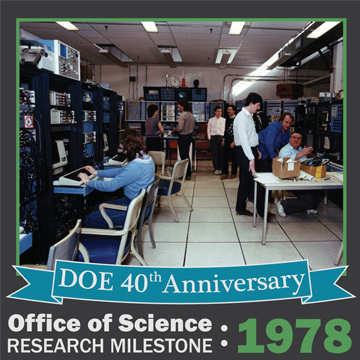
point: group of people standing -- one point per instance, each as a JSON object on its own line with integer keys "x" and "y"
{"x": 247, "y": 139}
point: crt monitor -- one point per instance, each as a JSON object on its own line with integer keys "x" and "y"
{"x": 182, "y": 93}
{"x": 198, "y": 94}
{"x": 59, "y": 158}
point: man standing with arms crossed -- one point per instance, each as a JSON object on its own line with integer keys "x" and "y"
{"x": 246, "y": 150}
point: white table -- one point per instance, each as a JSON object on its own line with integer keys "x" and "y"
{"x": 333, "y": 180}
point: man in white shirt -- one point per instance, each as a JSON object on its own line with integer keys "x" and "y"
{"x": 215, "y": 132}
{"x": 305, "y": 199}
{"x": 246, "y": 150}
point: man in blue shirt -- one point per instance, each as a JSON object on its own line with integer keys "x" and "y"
{"x": 305, "y": 199}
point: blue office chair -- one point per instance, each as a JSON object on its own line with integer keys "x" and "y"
{"x": 146, "y": 214}
{"x": 173, "y": 185}
{"x": 65, "y": 249}
{"x": 111, "y": 246}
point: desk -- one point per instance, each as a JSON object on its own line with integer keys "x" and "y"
{"x": 272, "y": 182}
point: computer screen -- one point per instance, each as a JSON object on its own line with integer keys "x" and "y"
{"x": 182, "y": 93}
{"x": 59, "y": 158}
{"x": 198, "y": 94}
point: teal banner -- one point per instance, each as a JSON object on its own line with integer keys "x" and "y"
{"x": 171, "y": 285}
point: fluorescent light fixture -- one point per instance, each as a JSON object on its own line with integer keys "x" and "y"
{"x": 236, "y": 27}
{"x": 280, "y": 60}
{"x": 224, "y": 60}
{"x": 220, "y": 53}
{"x": 322, "y": 29}
{"x": 150, "y": 26}
{"x": 67, "y": 25}
{"x": 168, "y": 57}
{"x": 114, "y": 54}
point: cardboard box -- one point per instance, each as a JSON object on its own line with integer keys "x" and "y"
{"x": 284, "y": 169}
{"x": 292, "y": 91}
{"x": 315, "y": 171}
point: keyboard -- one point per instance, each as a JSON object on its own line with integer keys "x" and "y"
{"x": 118, "y": 160}
{"x": 72, "y": 179}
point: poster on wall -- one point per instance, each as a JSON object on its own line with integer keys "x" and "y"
{"x": 252, "y": 253}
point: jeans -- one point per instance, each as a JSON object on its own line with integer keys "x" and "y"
{"x": 96, "y": 220}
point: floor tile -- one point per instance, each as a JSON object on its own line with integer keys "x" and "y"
{"x": 166, "y": 232}
{"x": 164, "y": 214}
{"x": 209, "y": 192}
{"x": 165, "y": 254}
{"x": 248, "y": 233}
{"x": 208, "y": 185}
{"x": 310, "y": 231}
{"x": 210, "y": 202}
{"x": 321, "y": 255}
{"x": 329, "y": 214}
{"x": 213, "y": 254}
{"x": 214, "y": 232}
{"x": 336, "y": 227}
{"x": 272, "y": 252}
{"x": 214, "y": 215}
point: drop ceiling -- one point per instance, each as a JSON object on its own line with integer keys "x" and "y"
{"x": 198, "y": 42}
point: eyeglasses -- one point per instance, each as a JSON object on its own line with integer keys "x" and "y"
{"x": 296, "y": 137}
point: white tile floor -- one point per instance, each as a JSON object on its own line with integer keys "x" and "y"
{"x": 212, "y": 234}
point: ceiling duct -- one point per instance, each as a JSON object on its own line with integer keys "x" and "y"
{"x": 302, "y": 47}
{"x": 114, "y": 54}
{"x": 171, "y": 54}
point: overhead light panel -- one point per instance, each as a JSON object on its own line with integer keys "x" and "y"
{"x": 224, "y": 60}
{"x": 150, "y": 26}
{"x": 236, "y": 27}
{"x": 225, "y": 56}
{"x": 67, "y": 25}
{"x": 322, "y": 29}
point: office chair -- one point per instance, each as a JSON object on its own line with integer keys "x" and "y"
{"x": 173, "y": 185}
{"x": 111, "y": 246}
{"x": 146, "y": 214}
{"x": 65, "y": 249}
{"x": 159, "y": 159}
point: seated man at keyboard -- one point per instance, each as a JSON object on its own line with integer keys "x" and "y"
{"x": 305, "y": 199}
{"x": 135, "y": 176}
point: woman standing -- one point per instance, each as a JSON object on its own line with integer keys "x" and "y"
{"x": 153, "y": 129}
{"x": 136, "y": 175}
{"x": 185, "y": 129}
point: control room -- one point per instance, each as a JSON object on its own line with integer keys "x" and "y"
{"x": 181, "y": 143}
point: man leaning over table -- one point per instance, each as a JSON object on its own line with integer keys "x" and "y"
{"x": 305, "y": 199}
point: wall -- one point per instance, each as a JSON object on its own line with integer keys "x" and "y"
{"x": 217, "y": 81}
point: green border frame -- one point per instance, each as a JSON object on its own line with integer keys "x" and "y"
{"x": 344, "y": 20}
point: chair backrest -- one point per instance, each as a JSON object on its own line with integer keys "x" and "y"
{"x": 180, "y": 168}
{"x": 190, "y": 153}
{"x": 149, "y": 199}
{"x": 133, "y": 212}
{"x": 65, "y": 249}
{"x": 159, "y": 159}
